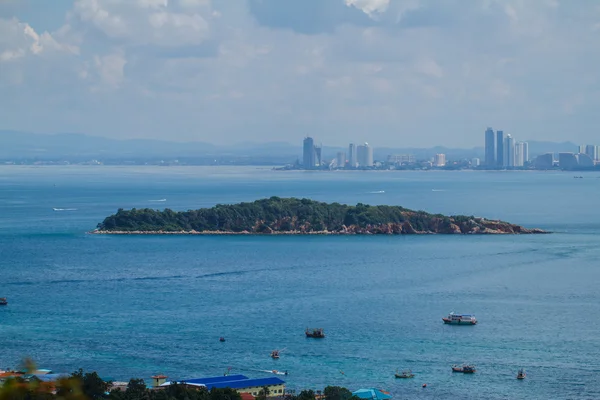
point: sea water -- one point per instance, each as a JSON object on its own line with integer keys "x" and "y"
{"x": 133, "y": 306}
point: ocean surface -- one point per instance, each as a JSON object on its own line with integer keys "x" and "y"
{"x": 130, "y": 306}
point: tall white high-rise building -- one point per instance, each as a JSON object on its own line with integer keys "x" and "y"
{"x": 519, "y": 154}
{"x": 509, "y": 151}
{"x": 490, "y": 147}
{"x": 341, "y": 159}
{"x": 525, "y": 152}
{"x": 352, "y": 159}
{"x": 439, "y": 160}
{"x": 364, "y": 154}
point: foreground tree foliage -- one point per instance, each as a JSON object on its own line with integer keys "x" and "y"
{"x": 274, "y": 214}
{"x": 89, "y": 386}
{"x": 338, "y": 393}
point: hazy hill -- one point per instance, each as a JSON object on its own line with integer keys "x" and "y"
{"x": 25, "y": 145}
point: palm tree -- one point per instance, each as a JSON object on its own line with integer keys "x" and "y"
{"x": 264, "y": 393}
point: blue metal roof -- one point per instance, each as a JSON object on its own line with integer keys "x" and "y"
{"x": 246, "y": 383}
{"x": 216, "y": 379}
{"x": 51, "y": 377}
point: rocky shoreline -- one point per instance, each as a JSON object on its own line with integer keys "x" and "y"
{"x": 482, "y": 227}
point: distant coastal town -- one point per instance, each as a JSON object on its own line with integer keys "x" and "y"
{"x": 502, "y": 152}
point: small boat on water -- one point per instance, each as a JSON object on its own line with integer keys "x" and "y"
{"x": 221, "y": 339}
{"x": 465, "y": 369}
{"x": 275, "y": 354}
{"x": 407, "y": 373}
{"x": 315, "y": 333}
{"x": 3, "y": 301}
{"x": 460, "y": 319}
{"x": 521, "y": 374}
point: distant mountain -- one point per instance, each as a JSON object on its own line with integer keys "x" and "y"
{"x": 536, "y": 148}
{"x": 72, "y": 146}
{"x": 32, "y": 145}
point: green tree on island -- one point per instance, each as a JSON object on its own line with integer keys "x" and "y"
{"x": 300, "y": 215}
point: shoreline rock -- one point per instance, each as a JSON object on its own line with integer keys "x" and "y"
{"x": 512, "y": 230}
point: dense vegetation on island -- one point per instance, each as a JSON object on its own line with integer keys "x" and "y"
{"x": 302, "y": 216}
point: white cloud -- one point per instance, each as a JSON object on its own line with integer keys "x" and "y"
{"x": 110, "y": 68}
{"x": 430, "y": 68}
{"x": 369, "y": 7}
{"x": 194, "y": 3}
{"x": 9, "y": 55}
{"x": 154, "y": 4}
{"x": 144, "y": 22}
{"x": 18, "y": 39}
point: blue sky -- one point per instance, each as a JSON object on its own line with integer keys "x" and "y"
{"x": 390, "y": 72}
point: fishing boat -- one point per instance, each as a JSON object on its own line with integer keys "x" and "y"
{"x": 407, "y": 373}
{"x": 275, "y": 354}
{"x": 221, "y": 339}
{"x": 460, "y": 319}
{"x": 521, "y": 374}
{"x": 3, "y": 301}
{"x": 315, "y": 333}
{"x": 465, "y": 369}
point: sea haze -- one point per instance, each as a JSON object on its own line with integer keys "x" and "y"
{"x": 131, "y": 306}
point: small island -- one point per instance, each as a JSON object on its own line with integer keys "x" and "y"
{"x": 292, "y": 216}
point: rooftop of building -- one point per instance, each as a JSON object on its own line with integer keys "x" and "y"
{"x": 229, "y": 381}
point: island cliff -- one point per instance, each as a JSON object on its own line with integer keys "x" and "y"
{"x": 299, "y": 216}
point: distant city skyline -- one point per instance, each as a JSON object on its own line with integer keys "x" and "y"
{"x": 503, "y": 152}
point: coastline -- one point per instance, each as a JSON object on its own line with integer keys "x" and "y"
{"x": 310, "y": 233}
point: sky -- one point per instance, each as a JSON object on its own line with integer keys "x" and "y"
{"x": 388, "y": 72}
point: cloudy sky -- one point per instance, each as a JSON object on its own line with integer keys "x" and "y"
{"x": 390, "y": 72}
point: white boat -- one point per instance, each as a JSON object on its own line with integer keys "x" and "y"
{"x": 460, "y": 319}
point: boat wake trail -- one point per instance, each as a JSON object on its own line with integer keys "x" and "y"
{"x": 274, "y": 371}
{"x": 64, "y": 209}
{"x": 157, "y": 201}
{"x": 377, "y": 192}
{"x": 438, "y": 190}
{"x": 144, "y": 278}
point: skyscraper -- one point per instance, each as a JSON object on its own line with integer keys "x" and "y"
{"x": 308, "y": 153}
{"x": 365, "y": 155}
{"x": 490, "y": 147}
{"x": 352, "y": 160}
{"x": 499, "y": 148}
{"x": 509, "y": 151}
{"x": 318, "y": 160}
{"x": 525, "y": 152}
{"x": 519, "y": 154}
{"x": 341, "y": 159}
{"x": 439, "y": 160}
{"x": 591, "y": 151}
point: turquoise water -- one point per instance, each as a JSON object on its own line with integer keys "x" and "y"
{"x": 135, "y": 306}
